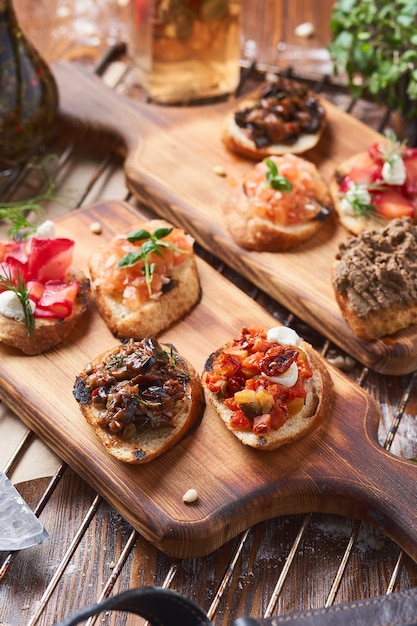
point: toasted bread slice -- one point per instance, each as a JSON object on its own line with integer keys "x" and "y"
{"x": 151, "y": 313}
{"x": 275, "y": 221}
{"x": 147, "y": 418}
{"x": 374, "y": 277}
{"x": 314, "y": 409}
{"x": 284, "y": 118}
{"x": 48, "y": 332}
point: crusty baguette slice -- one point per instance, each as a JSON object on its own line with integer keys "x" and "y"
{"x": 239, "y": 142}
{"x": 353, "y": 223}
{"x": 48, "y": 332}
{"x": 154, "y": 315}
{"x": 316, "y": 407}
{"x": 146, "y": 442}
{"x": 256, "y": 230}
{"x": 376, "y": 324}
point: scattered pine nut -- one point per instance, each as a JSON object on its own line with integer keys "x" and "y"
{"x": 219, "y": 170}
{"x": 306, "y": 29}
{"x": 95, "y": 228}
{"x": 190, "y": 495}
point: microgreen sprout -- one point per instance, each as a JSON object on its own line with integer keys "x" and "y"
{"x": 152, "y": 243}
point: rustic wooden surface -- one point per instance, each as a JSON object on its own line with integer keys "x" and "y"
{"x": 170, "y": 155}
{"x": 288, "y": 563}
{"x": 340, "y": 468}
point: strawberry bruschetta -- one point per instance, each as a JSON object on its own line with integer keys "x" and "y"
{"x": 375, "y": 186}
{"x": 42, "y": 295}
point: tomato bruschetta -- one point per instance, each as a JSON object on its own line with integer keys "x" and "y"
{"x": 146, "y": 280}
{"x": 269, "y": 388}
{"x": 281, "y": 202}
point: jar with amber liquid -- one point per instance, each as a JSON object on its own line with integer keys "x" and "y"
{"x": 28, "y": 93}
{"x": 186, "y": 50}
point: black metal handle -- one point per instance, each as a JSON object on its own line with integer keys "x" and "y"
{"x": 161, "y": 607}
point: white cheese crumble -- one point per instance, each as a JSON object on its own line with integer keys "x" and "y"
{"x": 46, "y": 230}
{"x": 11, "y": 306}
{"x": 288, "y": 378}
{"x": 394, "y": 172}
{"x": 355, "y": 194}
{"x": 283, "y": 335}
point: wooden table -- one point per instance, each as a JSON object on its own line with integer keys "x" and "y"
{"x": 282, "y": 565}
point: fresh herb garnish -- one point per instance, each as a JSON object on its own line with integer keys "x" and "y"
{"x": 391, "y": 151}
{"x": 18, "y": 286}
{"x": 274, "y": 179}
{"x": 152, "y": 243}
{"x": 16, "y": 212}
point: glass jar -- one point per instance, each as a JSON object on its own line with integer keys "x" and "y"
{"x": 28, "y": 93}
{"x": 186, "y": 50}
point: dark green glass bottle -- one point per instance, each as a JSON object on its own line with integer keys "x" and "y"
{"x": 28, "y": 93}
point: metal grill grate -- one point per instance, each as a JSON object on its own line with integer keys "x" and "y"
{"x": 285, "y": 564}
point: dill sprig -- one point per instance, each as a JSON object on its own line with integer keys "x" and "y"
{"x": 18, "y": 286}
{"x": 16, "y": 212}
{"x": 152, "y": 242}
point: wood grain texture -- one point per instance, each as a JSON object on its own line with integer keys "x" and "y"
{"x": 170, "y": 153}
{"x": 339, "y": 468}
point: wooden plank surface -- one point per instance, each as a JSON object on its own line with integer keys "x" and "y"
{"x": 170, "y": 153}
{"x": 339, "y": 468}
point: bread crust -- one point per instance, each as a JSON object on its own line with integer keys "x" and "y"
{"x": 257, "y": 232}
{"x": 317, "y": 405}
{"x": 148, "y": 442}
{"x": 48, "y": 332}
{"x": 154, "y": 315}
{"x": 238, "y": 141}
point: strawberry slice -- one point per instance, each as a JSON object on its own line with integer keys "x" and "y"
{"x": 50, "y": 259}
{"x": 391, "y": 203}
{"x": 57, "y": 299}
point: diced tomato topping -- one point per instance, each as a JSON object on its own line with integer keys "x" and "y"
{"x": 244, "y": 368}
{"x": 391, "y": 203}
{"x": 50, "y": 259}
{"x": 240, "y": 421}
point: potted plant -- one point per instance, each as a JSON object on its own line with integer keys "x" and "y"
{"x": 374, "y": 42}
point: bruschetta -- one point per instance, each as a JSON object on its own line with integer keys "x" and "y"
{"x": 284, "y": 117}
{"x": 146, "y": 280}
{"x": 375, "y": 186}
{"x": 141, "y": 398}
{"x": 281, "y": 202}
{"x": 374, "y": 278}
{"x": 269, "y": 387}
{"x": 42, "y": 294}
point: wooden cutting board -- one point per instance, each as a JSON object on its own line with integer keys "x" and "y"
{"x": 340, "y": 468}
{"x": 170, "y": 153}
